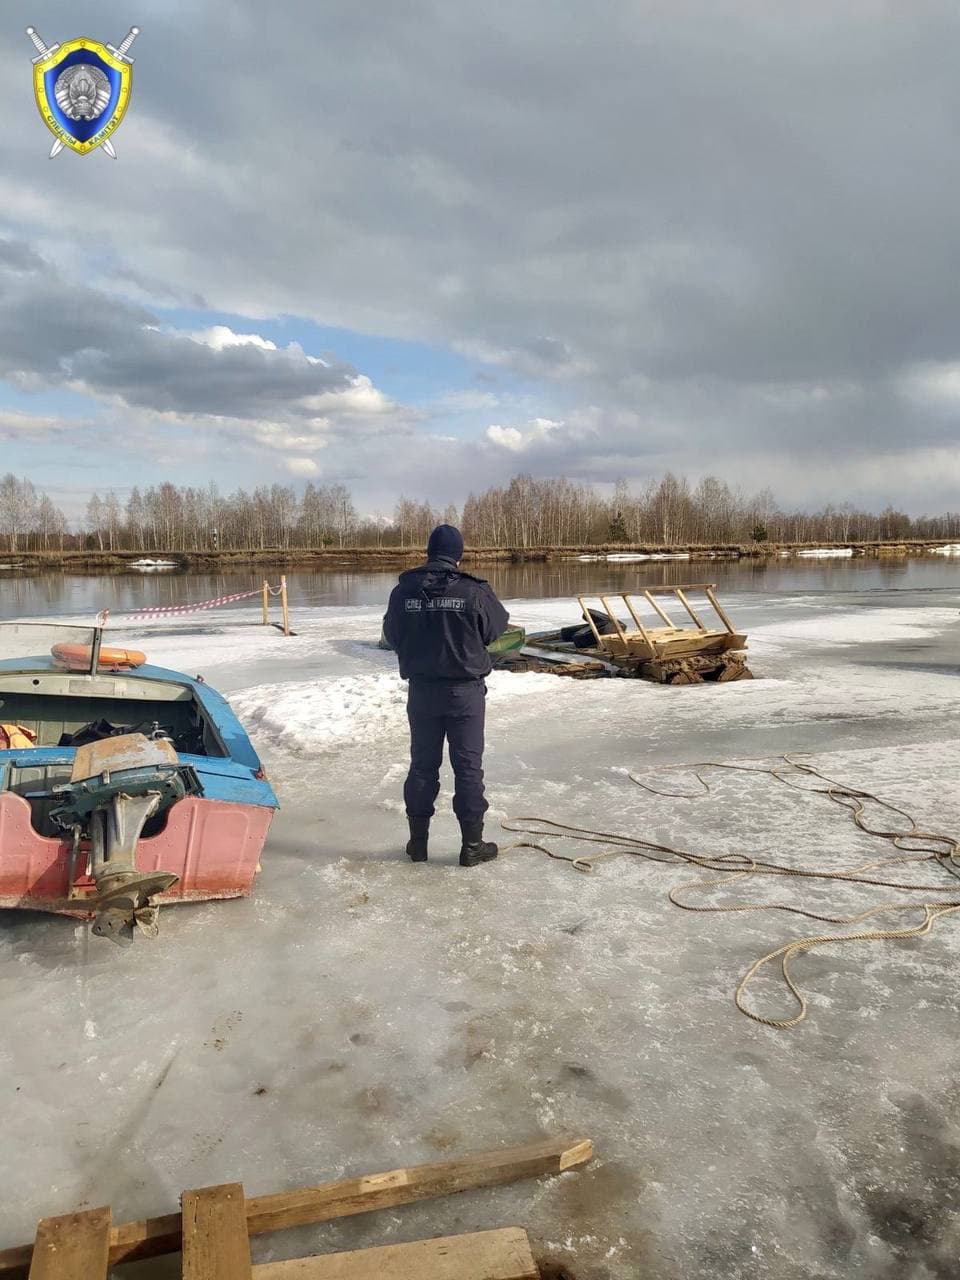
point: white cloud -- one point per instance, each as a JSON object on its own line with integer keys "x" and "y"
{"x": 302, "y": 467}
{"x": 286, "y": 438}
{"x": 506, "y": 437}
{"x": 14, "y": 425}
{"x": 219, "y": 337}
{"x": 932, "y": 383}
{"x": 359, "y": 397}
{"x": 518, "y": 439}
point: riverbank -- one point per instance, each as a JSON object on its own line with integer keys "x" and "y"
{"x": 389, "y": 557}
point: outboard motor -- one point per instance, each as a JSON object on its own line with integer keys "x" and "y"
{"x": 116, "y": 786}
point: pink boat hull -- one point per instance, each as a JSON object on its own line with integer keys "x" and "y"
{"x": 212, "y": 846}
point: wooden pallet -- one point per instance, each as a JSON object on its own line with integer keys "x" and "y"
{"x": 214, "y": 1228}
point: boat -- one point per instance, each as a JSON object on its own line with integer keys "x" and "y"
{"x": 146, "y": 565}
{"x": 123, "y": 786}
{"x": 513, "y": 638}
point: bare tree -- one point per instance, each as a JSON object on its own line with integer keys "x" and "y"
{"x": 112, "y": 518}
{"x": 95, "y": 518}
{"x": 18, "y": 508}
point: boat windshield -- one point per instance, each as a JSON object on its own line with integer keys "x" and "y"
{"x": 36, "y": 644}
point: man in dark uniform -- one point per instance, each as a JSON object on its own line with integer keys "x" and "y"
{"x": 440, "y": 621}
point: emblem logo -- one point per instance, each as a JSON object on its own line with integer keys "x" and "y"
{"x": 83, "y": 91}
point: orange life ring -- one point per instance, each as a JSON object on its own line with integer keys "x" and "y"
{"x": 76, "y": 657}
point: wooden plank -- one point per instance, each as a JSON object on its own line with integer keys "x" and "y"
{"x": 590, "y": 622}
{"x": 611, "y": 613}
{"x": 422, "y": 1182}
{"x": 149, "y": 1238}
{"x": 216, "y": 1245}
{"x": 690, "y": 644}
{"x": 667, "y": 619}
{"x": 638, "y": 621}
{"x": 689, "y": 608}
{"x": 483, "y": 1255}
{"x": 74, "y": 1247}
{"x": 711, "y": 596}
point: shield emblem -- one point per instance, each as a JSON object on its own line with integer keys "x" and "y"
{"x": 83, "y": 92}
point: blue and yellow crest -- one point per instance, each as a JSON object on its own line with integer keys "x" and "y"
{"x": 83, "y": 90}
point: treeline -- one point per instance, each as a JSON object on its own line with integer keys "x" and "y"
{"x": 669, "y": 512}
{"x": 524, "y": 514}
{"x": 29, "y": 520}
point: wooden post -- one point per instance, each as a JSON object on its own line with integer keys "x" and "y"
{"x": 716, "y": 604}
{"x": 611, "y": 613}
{"x": 284, "y": 604}
{"x": 590, "y": 622}
{"x": 216, "y": 1245}
{"x": 662, "y": 612}
{"x": 74, "y": 1247}
{"x": 266, "y": 603}
{"x": 689, "y": 608}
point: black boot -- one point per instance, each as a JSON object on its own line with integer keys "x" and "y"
{"x": 417, "y": 844}
{"x": 474, "y": 848}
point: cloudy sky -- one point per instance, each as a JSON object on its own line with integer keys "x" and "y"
{"x": 419, "y": 245}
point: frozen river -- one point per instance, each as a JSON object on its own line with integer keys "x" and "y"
{"x": 360, "y": 1013}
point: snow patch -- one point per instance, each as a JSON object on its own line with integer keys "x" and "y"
{"x": 318, "y": 716}
{"x": 628, "y": 557}
{"x": 321, "y": 715}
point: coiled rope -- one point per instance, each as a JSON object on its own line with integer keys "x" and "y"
{"x": 913, "y": 845}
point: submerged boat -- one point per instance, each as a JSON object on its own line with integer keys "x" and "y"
{"x": 513, "y": 638}
{"x": 123, "y": 786}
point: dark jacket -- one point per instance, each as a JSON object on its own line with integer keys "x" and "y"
{"x": 440, "y": 621}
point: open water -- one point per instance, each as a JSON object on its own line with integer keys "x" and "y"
{"x": 57, "y": 594}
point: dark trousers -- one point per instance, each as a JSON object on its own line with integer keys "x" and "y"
{"x": 454, "y": 710}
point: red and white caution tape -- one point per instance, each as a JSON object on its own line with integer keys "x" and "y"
{"x": 177, "y": 610}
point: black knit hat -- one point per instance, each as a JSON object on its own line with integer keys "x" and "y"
{"x": 446, "y": 543}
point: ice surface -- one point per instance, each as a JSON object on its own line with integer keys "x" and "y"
{"x": 359, "y": 1012}
{"x": 628, "y": 557}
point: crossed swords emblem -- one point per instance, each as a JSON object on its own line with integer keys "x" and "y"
{"x": 119, "y": 53}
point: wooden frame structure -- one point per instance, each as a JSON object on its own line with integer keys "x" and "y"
{"x": 669, "y": 640}
{"x": 215, "y": 1224}
{"x": 669, "y": 653}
